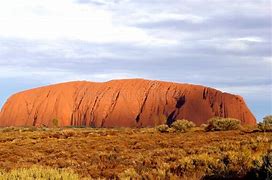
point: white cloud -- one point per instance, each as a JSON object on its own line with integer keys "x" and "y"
{"x": 63, "y": 19}
{"x": 269, "y": 61}
{"x": 249, "y": 39}
{"x": 54, "y": 75}
{"x": 237, "y": 44}
{"x": 144, "y": 17}
{"x": 233, "y": 45}
{"x": 250, "y": 92}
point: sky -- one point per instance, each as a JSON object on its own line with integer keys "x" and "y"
{"x": 223, "y": 44}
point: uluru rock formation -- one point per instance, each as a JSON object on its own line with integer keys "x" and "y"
{"x": 121, "y": 103}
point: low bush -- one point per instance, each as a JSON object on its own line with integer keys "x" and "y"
{"x": 266, "y": 125}
{"x": 38, "y": 173}
{"x": 28, "y": 129}
{"x": 267, "y": 165}
{"x": 9, "y": 129}
{"x": 261, "y": 168}
{"x": 268, "y": 119}
{"x": 182, "y": 125}
{"x": 222, "y": 124}
{"x": 162, "y": 128}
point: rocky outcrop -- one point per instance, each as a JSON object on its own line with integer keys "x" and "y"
{"x": 121, "y": 103}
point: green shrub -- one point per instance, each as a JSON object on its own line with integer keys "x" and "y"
{"x": 261, "y": 168}
{"x": 162, "y": 128}
{"x": 182, "y": 125}
{"x": 222, "y": 124}
{"x": 263, "y": 127}
{"x": 28, "y": 129}
{"x": 9, "y": 129}
{"x": 266, "y": 125}
{"x": 268, "y": 119}
{"x": 267, "y": 165}
{"x": 38, "y": 173}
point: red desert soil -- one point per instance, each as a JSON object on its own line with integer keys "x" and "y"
{"x": 121, "y": 103}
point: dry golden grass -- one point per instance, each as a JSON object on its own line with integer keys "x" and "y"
{"x": 137, "y": 153}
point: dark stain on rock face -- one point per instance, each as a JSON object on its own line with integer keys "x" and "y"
{"x": 180, "y": 102}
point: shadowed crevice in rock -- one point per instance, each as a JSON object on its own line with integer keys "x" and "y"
{"x": 180, "y": 102}
{"x": 111, "y": 108}
{"x": 144, "y": 101}
{"x": 204, "y": 95}
{"x": 171, "y": 118}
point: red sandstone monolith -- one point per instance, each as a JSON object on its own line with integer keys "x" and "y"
{"x": 121, "y": 103}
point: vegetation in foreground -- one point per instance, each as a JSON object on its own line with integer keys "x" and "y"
{"x": 76, "y": 153}
{"x": 266, "y": 125}
{"x": 39, "y": 173}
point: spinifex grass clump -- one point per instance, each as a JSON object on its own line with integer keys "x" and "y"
{"x": 222, "y": 124}
{"x": 36, "y": 172}
{"x": 182, "y": 125}
{"x": 163, "y": 128}
{"x": 177, "y": 126}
